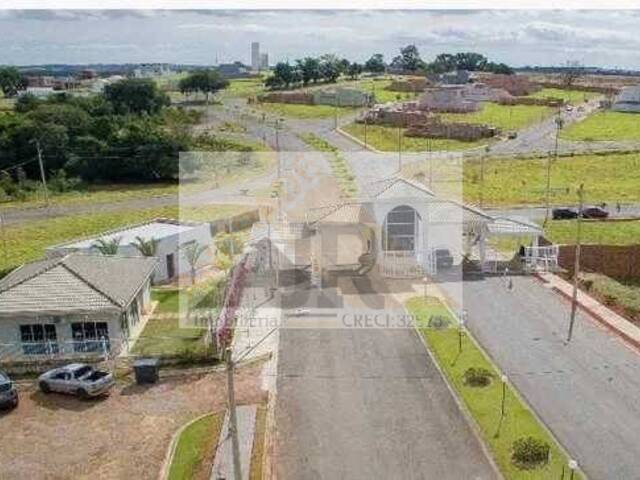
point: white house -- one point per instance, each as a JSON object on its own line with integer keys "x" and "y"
{"x": 628, "y": 100}
{"x": 73, "y": 306}
{"x": 171, "y": 236}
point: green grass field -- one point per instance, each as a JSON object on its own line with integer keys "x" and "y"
{"x": 192, "y": 458}
{"x": 607, "y": 178}
{"x": 484, "y": 403}
{"x": 594, "y": 232}
{"x": 386, "y": 139}
{"x": 574, "y": 97}
{"x": 304, "y": 111}
{"x": 27, "y": 242}
{"x": 606, "y": 125}
{"x": 504, "y": 117}
{"x": 244, "y": 87}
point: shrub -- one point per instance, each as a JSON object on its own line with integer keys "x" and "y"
{"x": 477, "y": 377}
{"x": 530, "y": 452}
{"x": 438, "y": 322}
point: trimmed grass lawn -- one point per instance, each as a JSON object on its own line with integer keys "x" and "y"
{"x": 27, "y": 242}
{"x": 257, "y": 453}
{"x": 605, "y": 125}
{"x": 623, "y": 295}
{"x": 505, "y": 117}
{"x": 244, "y": 87}
{"x": 607, "y": 178}
{"x": 594, "y": 232}
{"x": 484, "y": 402}
{"x": 574, "y": 97}
{"x": 339, "y": 166}
{"x": 385, "y": 139}
{"x": 192, "y": 459}
{"x": 304, "y": 111}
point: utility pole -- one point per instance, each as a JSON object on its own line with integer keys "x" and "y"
{"x": 559, "y": 122}
{"x": 576, "y": 266}
{"x": 233, "y": 420}
{"x": 4, "y": 242}
{"x": 482, "y": 162}
{"x": 42, "y": 175}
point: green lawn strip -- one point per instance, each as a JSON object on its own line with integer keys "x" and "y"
{"x": 504, "y": 117}
{"x": 484, "y": 403}
{"x": 192, "y": 457}
{"x": 613, "y": 232}
{"x": 257, "y": 453}
{"x": 385, "y": 139}
{"x": 304, "y": 111}
{"x": 574, "y": 97}
{"x": 606, "y": 125}
{"x": 516, "y": 181}
{"x": 27, "y": 242}
{"x": 623, "y": 294}
{"x": 341, "y": 169}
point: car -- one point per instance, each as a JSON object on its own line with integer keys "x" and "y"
{"x": 594, "y": 212}
{"x": 444, "y": 259}
{"x": 76, "y": 379}
{"x": 512, "y": 135}
{"x": 564, "y": 214}
{"x": 301, "y": 312}
{"x": 8, "y": 392}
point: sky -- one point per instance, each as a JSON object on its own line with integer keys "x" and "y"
{"x": 517, "y": 37}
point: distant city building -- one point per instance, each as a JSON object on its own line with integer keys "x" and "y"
{"x": 40, "y": 92}
{"x": 234, "y": 70}
{"x": 255, "y": 56}
{"x": 152, "y": 70}
{"x": 264, "y": 61}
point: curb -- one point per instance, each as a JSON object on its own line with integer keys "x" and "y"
{"x": 633, "y": 342}
{"x": 357, "y": 140}
{"x": 515, "y": 391}
{"x": 475, "y": 428}
{"x": 171, "y": 451}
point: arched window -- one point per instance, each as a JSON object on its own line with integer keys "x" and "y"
{"x": 401, "y": 229}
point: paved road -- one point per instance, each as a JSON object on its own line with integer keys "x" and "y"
{"x": 586, "y": 392}
{"x": 538, "y": 213}
{"x": 363, "y": 404}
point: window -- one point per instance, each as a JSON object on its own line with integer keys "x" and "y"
{"x": 401, "y": 229}
{"x": 39, "y": 339}
{"x": 90, "y": 336}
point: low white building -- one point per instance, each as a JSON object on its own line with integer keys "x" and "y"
{"x": 628, "y": 100}
{"x": 73, "y": 306}
{"x": 171, "y": 237}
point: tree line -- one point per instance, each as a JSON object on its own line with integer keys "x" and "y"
{"x": 328, "y": 68}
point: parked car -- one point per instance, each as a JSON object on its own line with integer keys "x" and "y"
{"x": 563, "y": 214}
{"x": 76, "y": 379}
{"x": 8, "y": 392}
{"x": 594, "y": 212}
{"x": 444, "y": 259}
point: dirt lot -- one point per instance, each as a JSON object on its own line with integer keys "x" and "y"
{"x": 123, "y": 436}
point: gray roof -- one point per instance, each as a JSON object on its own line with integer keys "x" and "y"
{"x": 397, "y": 187}
{"x": 75, "y": 283}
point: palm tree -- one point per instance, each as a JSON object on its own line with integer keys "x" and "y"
{"x": 147, "y": 248}
{"x": 107, "y": 246}
{"x": 192, "y": 253}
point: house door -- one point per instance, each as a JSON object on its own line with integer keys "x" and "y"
{"x": 171, "y": 265}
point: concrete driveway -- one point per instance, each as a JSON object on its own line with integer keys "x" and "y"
{"x": 367, "y": 404}
{"x": 586, "y": 392}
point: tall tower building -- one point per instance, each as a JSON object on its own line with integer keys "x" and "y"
{"x": 255, "y": 56}
{"x": 264, "y": 61}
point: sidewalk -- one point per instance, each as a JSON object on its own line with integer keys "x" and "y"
{"x": 223, "y": 463}
{"x": 607, "y": 317}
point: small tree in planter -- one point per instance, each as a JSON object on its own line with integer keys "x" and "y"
{"x": 438, "y": 322}
{"x": 529, "y": 453}
{"x": 477, "y": 377}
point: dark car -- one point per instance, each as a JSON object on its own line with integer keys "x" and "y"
{"x": 594, "y": 212}
{"x": 8, "y": 392}
{"x": 444, "y": 259}
{"x": 564, "y": 214}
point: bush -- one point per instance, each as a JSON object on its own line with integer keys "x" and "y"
{"x": 530, "y": 452}
{"x": 438, "y": 322}
{"x": 477, "y": 377}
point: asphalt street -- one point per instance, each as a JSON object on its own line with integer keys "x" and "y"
{"x": 585, "y": 391}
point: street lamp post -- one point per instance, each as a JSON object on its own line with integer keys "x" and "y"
{"x": 573, "y": 466}
{"x": 426, "y": 283}
{"x": 576, "y": 266}
{"x": 461, "y": 325}
{"x": 504, "y": 393}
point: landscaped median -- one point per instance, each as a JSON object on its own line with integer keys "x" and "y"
{"x": 519, "y": 443}
{"x": 341, "y": 169}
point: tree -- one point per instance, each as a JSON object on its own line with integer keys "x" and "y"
{"x": 192, "y": 253}
{"x": 11, "y": 81}
{"x": 309, "y": 68}
{"x": 147, "y": 248}
{"x": 409, "y": 59}
{"x": 470, "y": 61}
{"x": 329, "y": 67}
{"x": 107, "y": 246}
{"x": 136, "y": 95}
{"x": 571, "y": 72}
{"x": 208, "y": 82}
{"x": 283, "y": 76}
{"x": 375, "y": 64}
{"x": 355, "y": 69}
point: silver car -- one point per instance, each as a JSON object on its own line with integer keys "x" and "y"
{"x": 76, "y": 379}
{"x": 8, "y": 393}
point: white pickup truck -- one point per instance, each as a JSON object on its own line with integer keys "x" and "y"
{"x": 76, "y": 379}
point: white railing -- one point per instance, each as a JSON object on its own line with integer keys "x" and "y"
{"x": 541, "y": 258}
